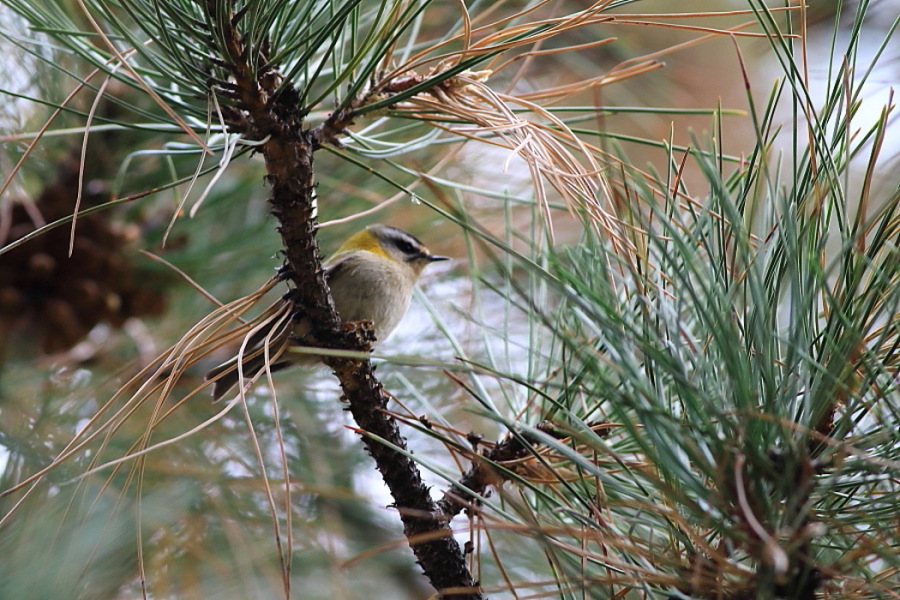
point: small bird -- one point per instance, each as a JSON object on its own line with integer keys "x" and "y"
{"x": 371, "y": 277}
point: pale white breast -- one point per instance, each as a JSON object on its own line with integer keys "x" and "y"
{"x": 369, "y": 288}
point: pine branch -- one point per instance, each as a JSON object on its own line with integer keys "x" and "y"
{"x": 288, "y": 153}
{"x": 486, "y": 469}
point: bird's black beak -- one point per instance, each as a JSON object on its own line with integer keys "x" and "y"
{"x": 436, "y": 258}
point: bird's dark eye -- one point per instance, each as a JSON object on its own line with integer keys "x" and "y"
{"x": 406, "y": 248}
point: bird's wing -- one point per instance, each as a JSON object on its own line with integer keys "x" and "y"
{"x": 334, "y": 267}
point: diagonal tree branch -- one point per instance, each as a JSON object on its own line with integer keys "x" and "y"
{"x": 288, "y": 148}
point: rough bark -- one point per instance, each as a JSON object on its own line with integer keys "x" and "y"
{"x": 260, "y": 108}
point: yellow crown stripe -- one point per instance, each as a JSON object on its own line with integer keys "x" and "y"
{"x": 362, "y": 240}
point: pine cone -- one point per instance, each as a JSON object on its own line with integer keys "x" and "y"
{"x": 57, "y": 299}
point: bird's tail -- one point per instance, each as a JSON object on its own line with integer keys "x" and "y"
{"x": 227, "y": 375}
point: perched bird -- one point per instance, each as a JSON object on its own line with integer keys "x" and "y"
{"x": 371, "y": 277}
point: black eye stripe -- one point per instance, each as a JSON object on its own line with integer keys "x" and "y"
{"x": 407, "y": 247}
{"x": 407, "y": 244}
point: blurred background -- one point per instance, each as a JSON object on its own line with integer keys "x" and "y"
{"x": 82, "y": 313}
